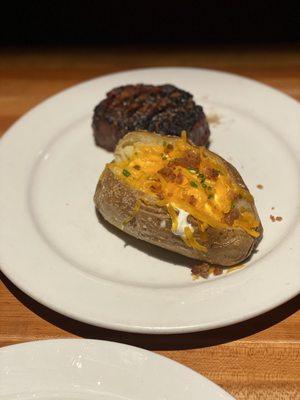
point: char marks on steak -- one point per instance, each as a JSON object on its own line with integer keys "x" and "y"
{"x": 162, "y": 109}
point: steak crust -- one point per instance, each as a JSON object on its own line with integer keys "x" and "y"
{"x": 164, "y": 109}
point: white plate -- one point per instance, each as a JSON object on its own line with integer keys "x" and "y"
{"x": 55, "y": 249}
{"x": 70, "y": 369}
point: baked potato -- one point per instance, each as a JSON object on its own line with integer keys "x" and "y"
{"x": 184, "y": 198}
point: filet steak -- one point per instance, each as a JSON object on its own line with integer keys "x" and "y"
{"x": 162, "y": 109}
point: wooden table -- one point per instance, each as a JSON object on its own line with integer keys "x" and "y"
{"x": 257, "y": 359}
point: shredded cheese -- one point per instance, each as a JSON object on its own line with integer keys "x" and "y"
{"x": 162, "y": 170}
{"x": 191, "y": 241}
{"x": 173, "y": 216}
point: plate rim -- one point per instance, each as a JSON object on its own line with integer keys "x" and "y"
{"x": 65, "y": 344}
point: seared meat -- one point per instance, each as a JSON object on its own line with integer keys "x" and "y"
{"x": 162, "y": 109}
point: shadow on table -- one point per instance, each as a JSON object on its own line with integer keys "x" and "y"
{"x": 158, "y": 342}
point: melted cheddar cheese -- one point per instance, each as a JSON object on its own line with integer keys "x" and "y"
{"x": 189, "y": 178}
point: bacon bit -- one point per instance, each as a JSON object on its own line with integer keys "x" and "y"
{"x": 192, "y": 200}
{"x": 179, "y": 178}
{"x": 137, "y": 167}
{"x": 157, "y": 190}
{"x": 273, "y": 218}
{"x": 201, "y": 270}
{"x": 177, "y": 161}
{"x": 182, "y": 162}
{"x": 217, "y": 271}
{"x": 259, "y": 186}
{"x": 272, "y": 208}
{"x": 169, "y": 148}
{"x": 193, "y": 159}
{"x": 231, "y": 216}
{"x": 165, "y": 171}
{"x": 168, "y": 174}
{"x": 190, "y": 160}
{"x": 211, "y": 173}
{"x": 234, "y": 196}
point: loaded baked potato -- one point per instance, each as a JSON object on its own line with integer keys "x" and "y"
{"x": 178, "y": 196}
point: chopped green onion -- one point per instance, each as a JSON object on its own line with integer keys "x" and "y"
{"x": 210, "y": 196}
{"x": 164, "y": 143}
{"x": 164, "y": 157}
{"x": 204, "y": 185}
{"x": 202, "y": 177}
{"x": 193, "y": 170}
{"x": 126, "y": 172}
{"x": 193, "y": 184}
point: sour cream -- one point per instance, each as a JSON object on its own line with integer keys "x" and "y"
{"x": 182, "y": 222}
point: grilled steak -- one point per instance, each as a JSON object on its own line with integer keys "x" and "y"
{"x": 162, "y": 109}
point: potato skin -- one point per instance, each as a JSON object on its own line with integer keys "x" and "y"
{"x": 116, "y": 200}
